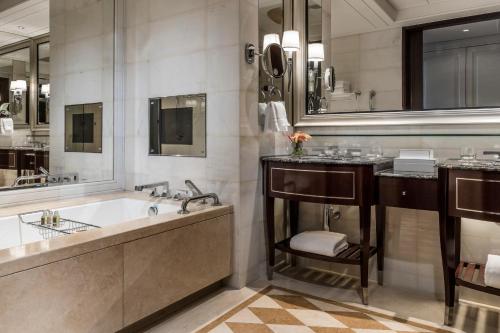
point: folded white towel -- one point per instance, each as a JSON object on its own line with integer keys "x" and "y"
{"x": 276, "y": 118}
{"x": 6, "y": 126}
{"x": 262, "y": 115}
{"x": 492, "y": 271}
{"x": 320, "y": 242}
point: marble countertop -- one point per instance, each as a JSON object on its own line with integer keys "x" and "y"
{"x": 478, "y": 165}
{"x": 25, "y": 148}
{"x": 39, "y": 253}
{"x": 310, "y": 159}
{"x": 406, "y": 174}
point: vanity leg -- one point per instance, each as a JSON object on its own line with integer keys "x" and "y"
{"x": 294, "y": 225}
{"x": 450, "y": 256}
{"x": 380, "y": 212}
{"x": 364, "y": 228}
{"x": 269, "y": 231}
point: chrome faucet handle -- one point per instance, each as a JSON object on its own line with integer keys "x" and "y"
{"x": 162, "y": 191}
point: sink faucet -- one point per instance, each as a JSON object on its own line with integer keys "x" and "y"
{"x": 186, "y": 201}
{"x": 24, "y": 179}
{"x": 164, "y": 191}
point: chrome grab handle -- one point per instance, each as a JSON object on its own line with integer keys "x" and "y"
{"x": 186, "y": 201}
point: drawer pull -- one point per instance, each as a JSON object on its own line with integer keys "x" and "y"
{"x": 403, "y": 193}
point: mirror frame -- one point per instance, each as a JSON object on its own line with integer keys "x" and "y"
{"x": 266, "y": 61}
{"x": 381, "y": 118}
{"x": 26, "y": 44}
{"x": 33, "y": 115}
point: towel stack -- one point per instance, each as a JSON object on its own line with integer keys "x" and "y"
{"x": 275, "y": 118}
{"x": 6, "y": 126}
{"x": 492, "y": 271}
{"x": 325, "y": 243}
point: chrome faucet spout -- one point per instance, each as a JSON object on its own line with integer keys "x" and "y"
{"x": 193, "y": 188}
{"x": 186, "y": 201}
{"x": 163, "y": 193}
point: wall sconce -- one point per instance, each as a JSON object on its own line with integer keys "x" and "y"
{"x": 45, "y": 90}
{"x": 316, "y": 52}
{"x": 271, "y": 39}
{"x": 18, "y": 87}
{"x": 291, "y": 43}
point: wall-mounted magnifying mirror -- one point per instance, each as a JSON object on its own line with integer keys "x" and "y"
{"x": 274, "y": 61}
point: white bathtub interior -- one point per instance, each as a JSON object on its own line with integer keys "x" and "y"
{"x": 102, "y": 214}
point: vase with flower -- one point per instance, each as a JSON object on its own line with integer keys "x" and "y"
{"x": 297, "y": 139}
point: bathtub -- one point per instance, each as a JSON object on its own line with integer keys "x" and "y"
{"x": 101, "y": 214}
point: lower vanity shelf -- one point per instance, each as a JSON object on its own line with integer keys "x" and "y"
{"x": 351, "y": 255}
{"x": 471, "y": 275}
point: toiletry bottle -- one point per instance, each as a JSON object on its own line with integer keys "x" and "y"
{"x": 44, "y": 218}
{"x": 49, "y": 218}
{"x": 56, "y": 219}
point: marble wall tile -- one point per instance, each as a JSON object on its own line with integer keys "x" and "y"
{"x": 82, "y": 71}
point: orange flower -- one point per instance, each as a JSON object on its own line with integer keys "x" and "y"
{"x": 299, "y": 137}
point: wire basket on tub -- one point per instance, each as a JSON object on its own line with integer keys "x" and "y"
{"x": 49, "y": 230}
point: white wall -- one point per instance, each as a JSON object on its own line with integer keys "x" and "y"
{"x": 81, "y": 71}
{"x": 192, "y": 46}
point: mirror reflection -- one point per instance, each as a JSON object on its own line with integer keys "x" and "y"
{"x": 15, "y": 74}
{"x": 53, "y": 56}
{"x": 355, "y": 60}
{"x": 43, "y": 78}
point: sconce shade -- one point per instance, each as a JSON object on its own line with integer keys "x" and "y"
{"x": 18, "y": 85}
{"x": 291, "y": 41}
{"x": 45, "y": 89}
{"x": 270, "y": 39}
{"x": 316, "y": 52}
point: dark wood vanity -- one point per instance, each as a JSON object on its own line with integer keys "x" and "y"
{"x": 457, "y": 190}
{"x": 23, "y": 159}
{"x": 325, "y": 181}
{"x": 468, "y": 190}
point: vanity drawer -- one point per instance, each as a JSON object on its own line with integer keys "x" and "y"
{"x": 409, "y": 193}
{"x": 320, "y": 184}
{"x": 474, "y": 194}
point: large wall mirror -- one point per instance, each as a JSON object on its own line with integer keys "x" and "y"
{"x": 55, "y": 54}
{"x": 369, "y": 58}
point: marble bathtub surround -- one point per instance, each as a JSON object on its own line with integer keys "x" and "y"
{"x": 44, "y": 252}
{"x": 109, "y": 278}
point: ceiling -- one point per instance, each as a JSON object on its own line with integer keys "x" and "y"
{"x": 25, "y": 20}
{"x": 360, "y": 16}
{"x": 463, "y": 31}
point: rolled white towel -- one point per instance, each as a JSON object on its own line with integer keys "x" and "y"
{"x": 492, "y": 271}
{"x": 320, "y": 242}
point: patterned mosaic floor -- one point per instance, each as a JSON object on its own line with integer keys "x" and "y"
{"x": 276, "y": 310}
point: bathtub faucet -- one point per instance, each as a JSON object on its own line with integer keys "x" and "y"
{"x": 159, "y": 190}
{"x": 186, "y": 201}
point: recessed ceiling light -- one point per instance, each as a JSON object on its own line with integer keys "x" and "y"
{"x": 466, "y": 30}
{"x": 20, "y": 27}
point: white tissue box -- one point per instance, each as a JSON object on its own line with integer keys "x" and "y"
{"x": 417, "y": 154}
{"x": 414, "y": 165}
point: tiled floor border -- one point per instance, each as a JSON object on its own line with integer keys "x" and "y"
{"x": 266, "y": 290}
